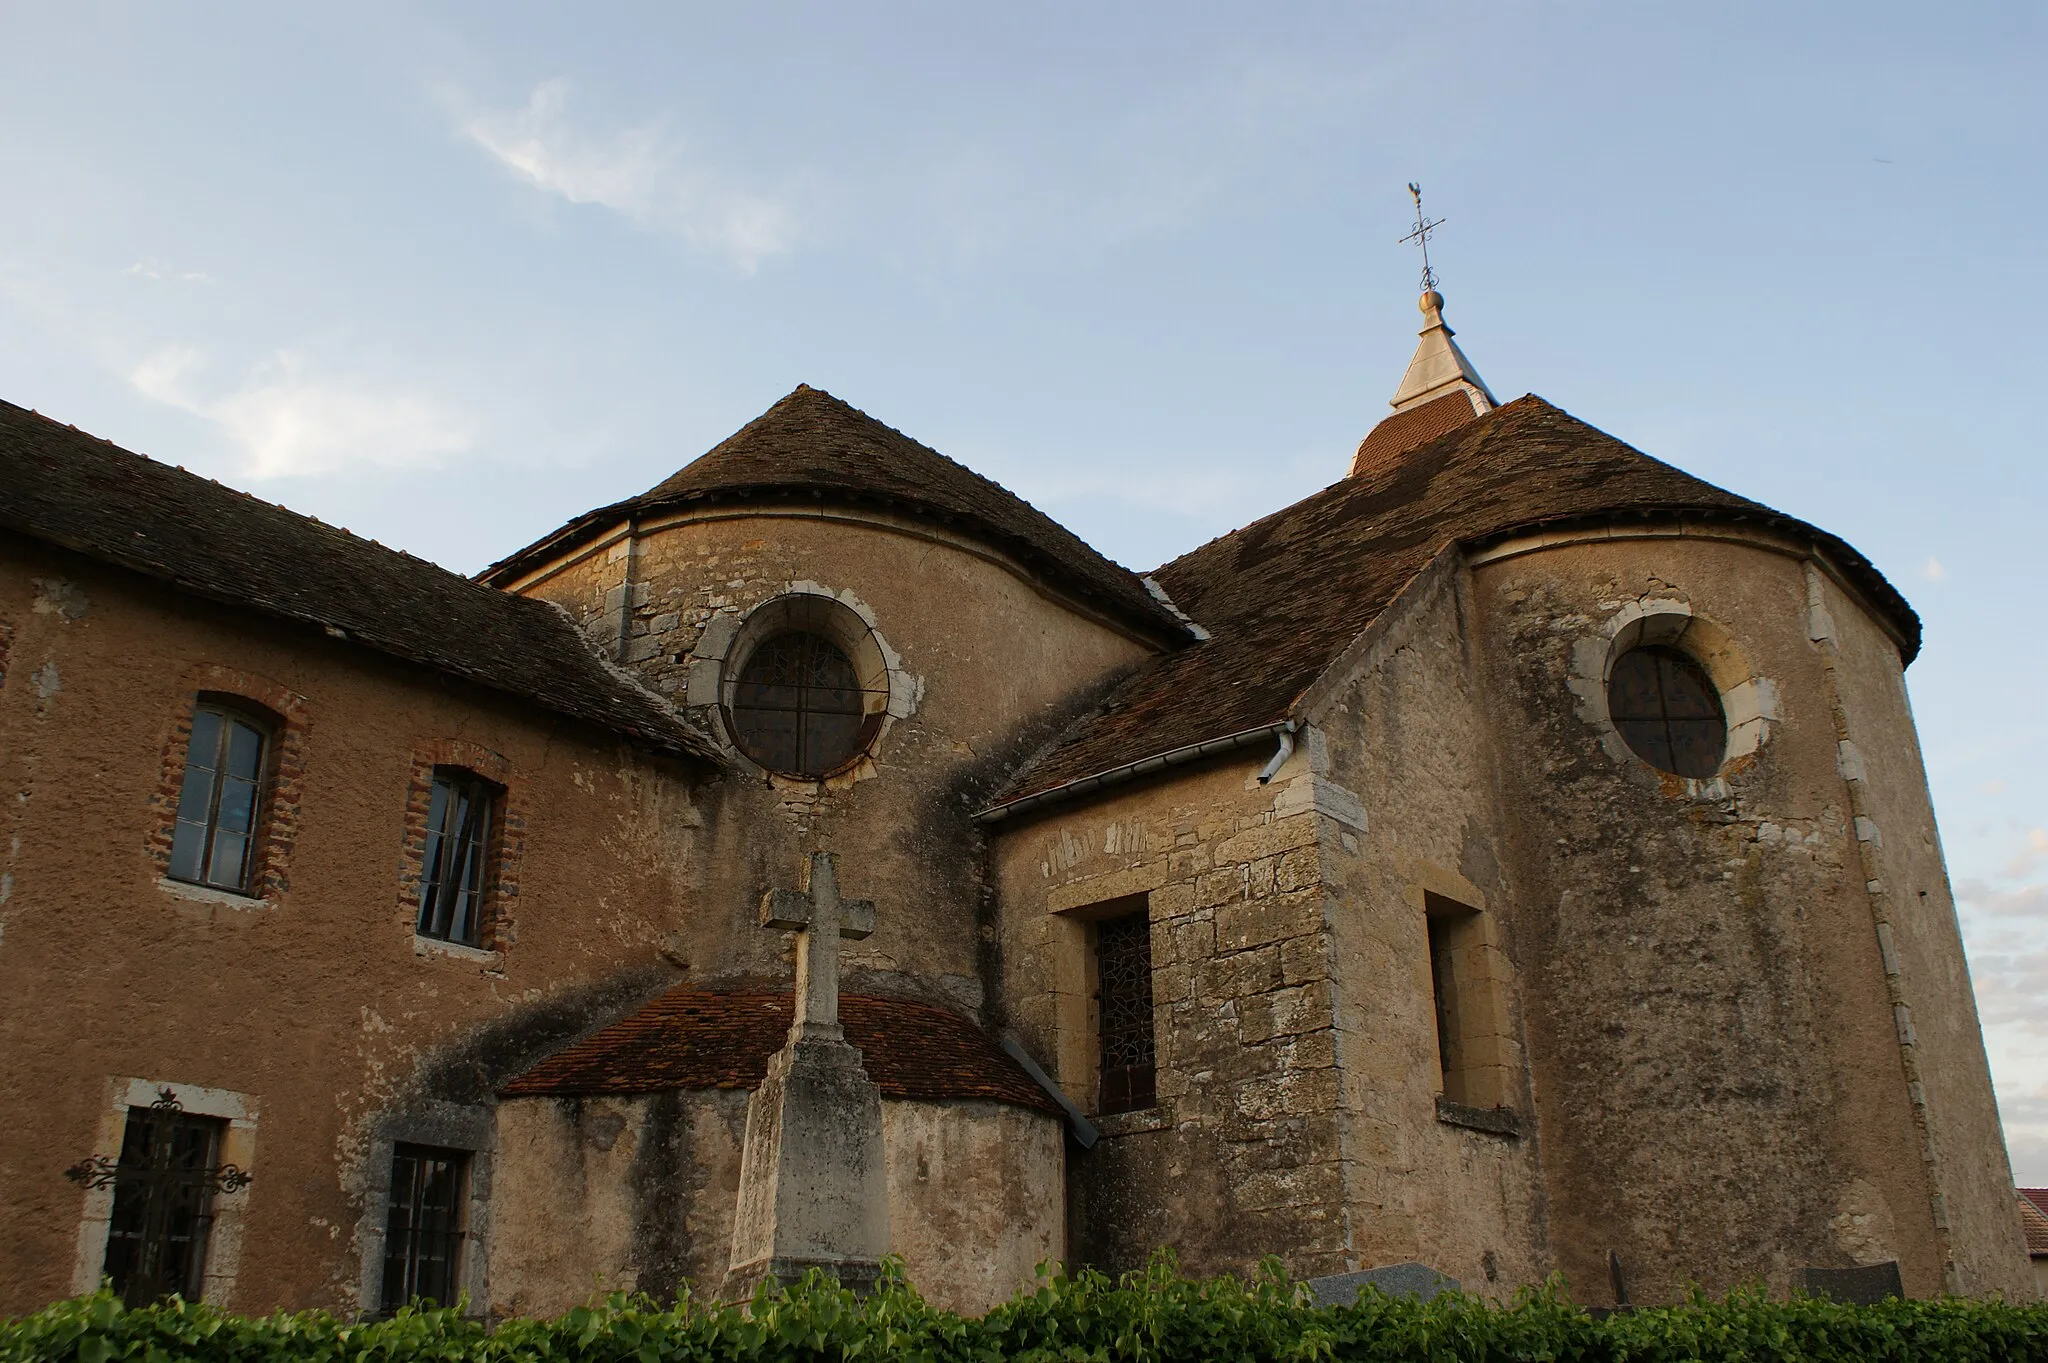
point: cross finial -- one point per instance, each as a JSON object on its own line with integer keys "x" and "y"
{"x": 820, "y": 918}
{"x": 1420, "y": 236}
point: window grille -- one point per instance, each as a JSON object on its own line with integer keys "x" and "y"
{"x": 453, "y": 873}
{"x": 1668, "y": 711}
{"x": 423, "y": 1235}
{"x": 1123, "y": 963}
{"x": 799, "y": 707}
{"x": 164, "y": 1181}
{"x": 220, "y": 799}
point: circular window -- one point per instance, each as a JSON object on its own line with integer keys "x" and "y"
{"x": 798, "y": 706}
{"x": 1668, "y": 710}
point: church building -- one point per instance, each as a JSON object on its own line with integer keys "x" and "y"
{"x": 1515, "y": 858}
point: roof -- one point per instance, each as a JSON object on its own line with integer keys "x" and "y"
{"x": 698, "y": 1039}
{"x": 2034, "y": 1219}
{"x": 811, "y": 448}
{"x": 1284, "y": 595}
{"x": 69, "y": 489}
{"x": 1412, "y": 426}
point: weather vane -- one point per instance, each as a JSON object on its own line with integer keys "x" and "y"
{"x": 1420, "y": 236}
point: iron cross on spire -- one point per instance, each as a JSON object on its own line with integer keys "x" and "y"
{"x": 1420, "y": 236}
{"x": 820, "y": 918}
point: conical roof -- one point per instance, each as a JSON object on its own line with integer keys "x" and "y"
{"x": 1282, "y": 597}
{"x": 812, "y": 448}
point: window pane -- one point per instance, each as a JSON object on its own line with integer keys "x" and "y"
{"x": 219, "y": 801}
{"x": 453, "y": 874}
{"x": 798, "y": 705}
{"x": 1668, "y": 711}
{"x": 1123, "y": 956}
{"x": 245, "y": 750}
{"x": 230, "y": 856}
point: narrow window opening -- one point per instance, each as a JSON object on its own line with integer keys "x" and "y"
{"x": 1444, "y": 985}
{"x": 163, "y": 1204}
{"x": 1123, "y": 969}
{"x": 454, "y": 874}
{"x": 221, "y": 798}
{"x": 1476, "y": 1056}
{"x": 424, "y": 1232}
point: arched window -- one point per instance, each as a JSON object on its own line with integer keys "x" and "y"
{"x": 1668, "y": 711}
{"x": 798, "y": 706}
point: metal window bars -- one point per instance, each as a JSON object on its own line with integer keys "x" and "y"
{"x": 424, "y": 1233}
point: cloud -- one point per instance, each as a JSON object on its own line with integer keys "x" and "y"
{"x": 1933, "y": 571}
{"x": 643, "y": 174}
{"x": 151, "y": 268}
{"x": 290, "y": 422}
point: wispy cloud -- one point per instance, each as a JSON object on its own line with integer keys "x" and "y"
{"x": 292, "y": 422}
{"x": 152, "y": 268}
{"x": 645, "y": 174}
{"x": 1933, "y": 571}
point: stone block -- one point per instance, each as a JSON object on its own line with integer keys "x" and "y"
{"x": 1396, "y": 1280}
{"x": 1300, "y": 869}
{"x": 1238, "y": 974}
{"x": 1254, "y": 923}
{"x": 1303, "y": 959}
{"x": 1266, "y": 840}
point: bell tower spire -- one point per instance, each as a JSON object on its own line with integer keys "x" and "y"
{"x": 1441, "y": 391}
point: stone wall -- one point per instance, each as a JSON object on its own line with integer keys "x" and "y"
{"x": 636, "y": 1193}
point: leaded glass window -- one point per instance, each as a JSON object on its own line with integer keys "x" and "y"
{"x": 1668, "y": 711}
{"x": 423, "y": 1233}
{"x": 798, "y": 706}
{"x": 453, "y": 874}
{"x": 1123, "y": 967}
{"x": 220, "y": 800}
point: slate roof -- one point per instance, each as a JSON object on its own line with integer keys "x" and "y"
{"x": 66, "y": 488}
{"x": 1284, "y": 595}
{"x": 2034, "y": 1219}
{"x": 699, "y": 1039}
{"x": 811, "y": 448}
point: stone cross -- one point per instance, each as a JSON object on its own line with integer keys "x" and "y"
{"x": 820, "y": 918}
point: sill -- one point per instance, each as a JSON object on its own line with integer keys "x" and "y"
{"x": 207, "y": 894}
{"x": 1494, "y": 1121}
{"x": 1113, "y": 1124}
{"x": 434, "y": 946}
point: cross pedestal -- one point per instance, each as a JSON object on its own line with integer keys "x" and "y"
{"x": 813, "y": 1193}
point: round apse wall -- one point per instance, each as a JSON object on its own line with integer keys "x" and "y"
{"x": 806, "y": 687}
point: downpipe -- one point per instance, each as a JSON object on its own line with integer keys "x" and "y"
{"x": 1280, "y": 755}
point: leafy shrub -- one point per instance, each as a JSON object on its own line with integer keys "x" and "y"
{"x": 1154, "y": 1315}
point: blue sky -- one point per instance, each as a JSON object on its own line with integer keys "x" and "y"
{"x": 449, "y": 274}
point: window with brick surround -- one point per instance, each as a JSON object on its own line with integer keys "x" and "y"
{"x": 221, "y": 801}
{"x": 1123, "y": 1010}
{"x": 424, "y": 1227}
{"x": 455, "y": 872}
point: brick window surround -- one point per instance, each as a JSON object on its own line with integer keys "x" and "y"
{"x": 507, "y": 835}
{"x": 277, "y": 816}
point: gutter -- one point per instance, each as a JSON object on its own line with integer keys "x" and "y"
{"x": 1143, "y": 767}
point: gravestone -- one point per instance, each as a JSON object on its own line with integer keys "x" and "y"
{"x": 1864, "y": 1285}
{"x": 1396, "y": 1280}
{"x": 813, "y": 1192}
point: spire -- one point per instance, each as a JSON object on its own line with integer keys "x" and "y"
{"x": 1439, "y": 367}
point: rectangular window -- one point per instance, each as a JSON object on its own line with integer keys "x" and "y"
{"x": 163, "y": 1204}
{"x": 220, "y": 800}
{"x": 1468, "y": 977}
{"x": 453, "y": 875}
{"x": 1444, "y": 985}
{"x": 1123, "y": 973}
{"x": 424, "y": 1233}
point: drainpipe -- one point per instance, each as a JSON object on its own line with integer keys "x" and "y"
{"x": 1280, "y": 755}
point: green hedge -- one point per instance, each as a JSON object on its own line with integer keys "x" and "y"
{"x": 1155, "y": 1315}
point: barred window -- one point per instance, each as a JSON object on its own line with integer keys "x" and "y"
{"x": 221, "y": 798}
{"x": 453, "y": 873}
{"x": 799, "y": 706}
{"x": 1123, "y": 970}
{"x": 1668, "y": 710}
{"x": 423, "y": 1235}
{"x": 163, "y": 1204}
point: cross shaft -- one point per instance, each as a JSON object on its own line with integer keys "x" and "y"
{"x": 820, "y": 918}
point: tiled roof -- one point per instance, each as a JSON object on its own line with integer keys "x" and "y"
{"x": 2034, "y": 1219}
{"x": 64, "y": 487}
{"x": 1418, "y": 425}
{"x": 693, "y": 1038}
{"x": 1285, "y": 594}
{"x": 810, "y": 448}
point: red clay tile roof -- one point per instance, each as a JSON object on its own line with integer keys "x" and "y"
{"x": 694, "y": 1039}
{"x": 810, "y": 447}
{"x": 1285, "y": 594}
{"x": 2034, "y": 1219}
{"x": 1405, "y": 430}
{"x": 67, "y": 488}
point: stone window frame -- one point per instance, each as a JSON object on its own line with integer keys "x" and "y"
{"x": 1749, "y": 701}
{"x": 277, "y": 820}
{"x": 1077, "y": 1014}
{"x": 469, "y": 1130}
{"x": 497, "y": 926}
{"x": 730, "y": 636}
{"x": 230, "y": 1210}
{"x": 1490, "y": 978}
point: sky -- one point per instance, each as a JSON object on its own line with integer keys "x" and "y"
{"x": 450, "y": 274}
